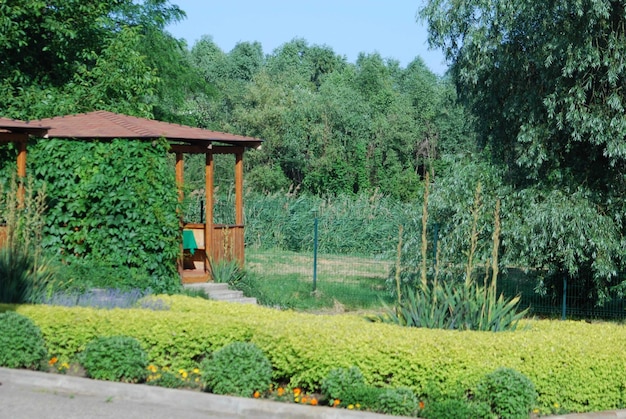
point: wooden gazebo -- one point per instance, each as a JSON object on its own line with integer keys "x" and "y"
{"x": 18, "y": 133}
{"x": 212, "y": 241}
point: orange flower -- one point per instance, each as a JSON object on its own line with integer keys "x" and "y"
{"x": 305, "y": 400}
{"x": 53, "y": 361}
{"x": 336, "y": 402}
{"x": 313, "y": 402}
{"x": 422, "y": 404}
{"x": 280, "y": 392}
{"x": 256, "y": 394}
{"x": 296, "y": 392}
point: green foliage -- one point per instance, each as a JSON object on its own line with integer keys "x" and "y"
{"x": 116, "y": 207}
{"x": 21, "y": 342}
{"x": 398, "y": 401}
{"x": 590, "y": 243}
{"x": 455, "y": 409}
{"x": 167, "y": 379}
{"x": 541, "y": 81}
{"x": 25, "y": 274}
{"x": 342, "y": 383}
{"x": 455, "y": 305}
{"x": 83, "y": 274}
{"x": 442, "y": 363}
{"x": 238, "y": 369}
{"x": 348, "y": 386}
{"x": 115, "y": 358}
{"x": 509, "y": 393}
{"x": 227, "y": 271}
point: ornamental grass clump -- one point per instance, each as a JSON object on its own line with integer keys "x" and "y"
{"x": 21, "y": 342}
{"x": 25, "y": 275}
{"x": 237, "y": 369}
{"x": 456, "y": 304}
{"x": 115, "y": 358}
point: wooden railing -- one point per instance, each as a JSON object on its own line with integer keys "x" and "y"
{"x": 227, "y": 242}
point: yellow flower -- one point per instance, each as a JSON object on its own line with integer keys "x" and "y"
{"x": 152, "y": 368}
{"x": 196, "y": 370}
{"x": 556, "y": 405}
{"x": 350, "y": 406}
{"x": 182, "y": 373}
{"x": 535, "y": 410}
{"x": 358, "y": 406}
{"x": 65, "y": 366}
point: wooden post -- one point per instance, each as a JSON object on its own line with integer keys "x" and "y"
{"x": 239, "y": 188}
{"x": 21, "y": 170}
{"x": 208, "y": 209}
{"x": 180, "y": 176}
{"x": 239, "y": 243}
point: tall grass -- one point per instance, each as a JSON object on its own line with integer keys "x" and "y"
{"x": 452, "y": 304}
{"x": 348, "y": 224}
{"x": 25, "y": 275}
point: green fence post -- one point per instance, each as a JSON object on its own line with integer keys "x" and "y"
{"x": 564, "y": 310}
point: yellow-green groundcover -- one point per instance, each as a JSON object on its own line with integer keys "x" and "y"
{"x": 575, "y": 365}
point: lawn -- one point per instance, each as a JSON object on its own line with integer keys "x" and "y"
{"x": 344, "y": 283}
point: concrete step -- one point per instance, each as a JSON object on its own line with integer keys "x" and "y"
{"x": 221, "y": 292}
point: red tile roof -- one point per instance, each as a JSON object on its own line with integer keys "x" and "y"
{"x": 16, "y": 126}
{"x": 109, "y": 125}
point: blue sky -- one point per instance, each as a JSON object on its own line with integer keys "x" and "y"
{"x": 349, "y": 27}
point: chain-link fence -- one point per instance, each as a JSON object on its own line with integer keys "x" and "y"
{"x": 348, "y": 264}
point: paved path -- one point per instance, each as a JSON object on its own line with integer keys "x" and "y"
{"x": 29, "y": 395}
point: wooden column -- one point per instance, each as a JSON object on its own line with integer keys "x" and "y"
{"x": 180, "y": 175}
{"x": 208, "y": 209}
{"x": 239, "y": 188}
{"x": 180, "y": 180}
{"x": 21, "y": 169}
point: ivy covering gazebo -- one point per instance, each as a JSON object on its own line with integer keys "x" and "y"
{"x": 208, "y": 241}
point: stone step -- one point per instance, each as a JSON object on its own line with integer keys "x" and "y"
{"x": 221, "y": 292}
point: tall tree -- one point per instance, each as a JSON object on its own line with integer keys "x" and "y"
{"x": 546, "y": 83}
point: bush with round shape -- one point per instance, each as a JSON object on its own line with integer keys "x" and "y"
{"x": 399, "y": 401}
{"x": 344, "y": 384}
{"x": 510, "y": 393}
{"x": 237, "y": 369}
{"x": 21, "y": 342}
{"x": 115, "y": 358}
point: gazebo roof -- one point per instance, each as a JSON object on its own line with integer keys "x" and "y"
{"x": 109, "y": 125}
{"x": 15, "y": 126}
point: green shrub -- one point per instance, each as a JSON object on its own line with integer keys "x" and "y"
{"x": 397, "y": 401}
{"x": 21, "y": 342}
{"x": 167, "y": 379}
{"x": 303, "y": 348}
{"x": 342, "y": 384}
{"x": 238, "y": 369}
{"x": 226, "y": 271}
{"x": 115, "y": 358}
{"x": 510, "y": 393}
{"x": 455, "y": 409}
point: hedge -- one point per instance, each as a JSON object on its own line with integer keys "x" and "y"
{"x": 577, "y": 366}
